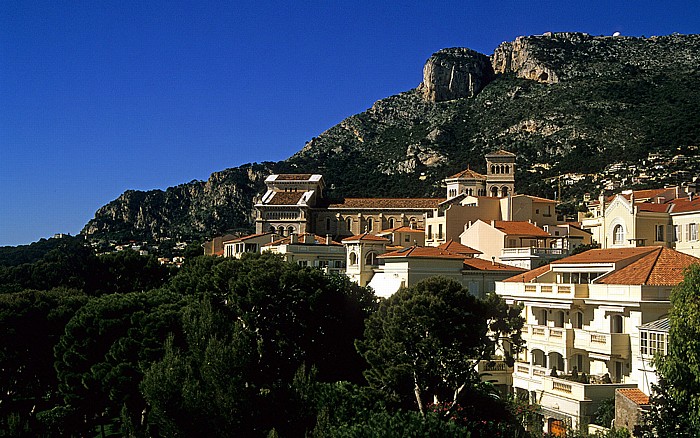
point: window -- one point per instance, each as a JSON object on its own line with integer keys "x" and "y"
{"x": 578, "y": 321}
{"x": 407, "y": 239}
{"x": 290, "y": 230}
{"x": 659, "y": 233}
{"x": 616, "y": 324}
{"x": 651, "y": 343}
{"x": 370, "y": 224}
{"x": 439, "y": 231}
{"x": 430, "y": 232}
{"x": 328, "y": 224}
{"x": 348, "y": 224}
{"x": 676, "y": 233}
{"x": 371, "y": 259}
{"x": 303, "y": 263}
{"x": 618, "y": 235}
{"x": 353, "y": 258}
{"x": 391, "y": 222}
{"x": 692, "y": 231}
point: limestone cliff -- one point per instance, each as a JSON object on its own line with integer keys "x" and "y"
{"x": 455, "y": 73}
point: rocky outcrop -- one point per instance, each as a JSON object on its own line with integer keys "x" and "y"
{"x": 520, "y": 57}
{"x": 455, "y": 73}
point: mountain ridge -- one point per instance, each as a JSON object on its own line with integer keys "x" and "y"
{"x": 564, "y": 102}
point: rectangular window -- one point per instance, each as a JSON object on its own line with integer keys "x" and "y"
{"x": 430, "y": 232}
{"x": 439, "y": 231}
{"x": 651, "y": 343}
{"x": 407, "y": 238}
{"x": 643, "y": 343}
{"x": 676, "y": 233}
{"x": 693, "y": 231}
{"x": 659, "y": 233}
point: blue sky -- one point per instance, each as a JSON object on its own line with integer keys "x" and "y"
{"x": 100, "y": 97}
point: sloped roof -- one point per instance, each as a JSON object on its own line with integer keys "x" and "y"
{"x": 248, "y": 237}
{"x": 402, "y": 229}
{"x": 318, "y": 240}
{"x": 458, "y": 248}
{"x": 486, "y": 265}
{"x": 652, "y": 207}
{"x": 529, "y": 275}
{"x": 661, "y": 267}
{"x": 365, "y": 237}
{"x": 520, "y": 228}
{"x": 635, "y": 395}
{"x": 285, "y": 198}
{"x": 501, "y": 152}
{"x": 662, "y": 325}
{"x": 536, "y": 198}
{"x": 430, "y": 252}
{"x": 684, "y": 205}
{"x": 294, "y": 176}
{"x": 607, "y": 255}
{"x": 467, "y": 173}
{"x": 386, "y": 203}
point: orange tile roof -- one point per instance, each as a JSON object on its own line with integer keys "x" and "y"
{"x": 468, "y": 173}
{"x": 402, "y": 229}
{"x": 365, "y": 237}
{"x": 660, "y": 267}
{"x": 387, "y": 203}
{"x": 288, "y": 240}
{"x": 285, "y": 198}
{"x": 684, "y": 205}
{"x": 608, "y": 255}
{"x": 529, "y": 275}
{"x": 458, "y": 248}
{"x": 520, "y": 228}
{"x": 250, "y": 236}
{"x": 635, "y": 395}
{"x": 537, "y": 198}
{"x": 422, "y": 252}
{"x": 294, "y": 176}
{"x": 501, "y": 152}
{"x": 486, "y": 265}
{"x": 652, "y": 207}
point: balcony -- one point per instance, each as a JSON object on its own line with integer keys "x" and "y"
{"x": 531, "y": 257}
{"x": 550, "y": 336}
{"x": 495, "y": 371}
{"x": 581, "y": 391}
{"x": 607, "y": 344}
{"x": 567, "y": 291}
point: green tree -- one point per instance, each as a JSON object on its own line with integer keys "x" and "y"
{"x": 676, "y": 400}
{"x": 424, "y": 341}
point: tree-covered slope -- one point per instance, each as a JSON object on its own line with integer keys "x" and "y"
{"x": 565, "y": 103}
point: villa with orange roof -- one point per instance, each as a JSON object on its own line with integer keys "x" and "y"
{"x": 595, "y": 313}
{"x": 310, "y": 250}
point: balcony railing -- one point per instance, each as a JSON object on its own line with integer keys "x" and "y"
{"x": 546, "y": 290}
{"x": 610, "y": 344}
{"x": 529, "y": 251}
{"x": 556, "y": 336}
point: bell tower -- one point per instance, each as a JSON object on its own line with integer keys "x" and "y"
{"x": 500, "y": 173}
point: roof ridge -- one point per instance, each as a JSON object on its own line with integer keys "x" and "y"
{"x": 653, "y": 265}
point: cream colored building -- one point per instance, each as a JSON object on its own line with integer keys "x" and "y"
{"x": 362, "y": 256}
{"x": 404, "y": 236}
{"x": 310, "y": 250}
{"x": 585, "y": 312}
{"x": 238, "y": 246}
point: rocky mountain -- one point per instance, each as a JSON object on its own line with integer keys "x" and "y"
{"x": 564, "y": 102}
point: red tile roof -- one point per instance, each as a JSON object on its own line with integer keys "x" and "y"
{"x": 501, "y": 152}
{"x": 468, "y": 173}
{"x": 486, "y": 265}
{"x": 458, "y": 248}
{"x": 250, "y": 236}
{"x": 652, "y": 207}
{"x": 661, "y": 267}
{"x": 285, "y": 198}
{"x": 387, "y": 203}
{"x": 684, "y": 205}
{"x": 365, "y": 237}
{"x": 402, "y": 229}
{"x": 520, "y": 228}
{"x": 635, "y": 395}
{"x": 294, "y": 176}
{"x": 529, "y": 275}
{"x": 537, "y": 198}
{"x": 318, "y": 240}
{"x": 608, "y": 255}
{"x": 422, "y": 252}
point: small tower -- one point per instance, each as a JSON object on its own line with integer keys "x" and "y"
{"x": 362, "y": 251}
{"x": 500, "y": 173}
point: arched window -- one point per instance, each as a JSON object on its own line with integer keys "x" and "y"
{"x": 290, "y": 230}
{"x": 280, "y": 230}
{"x": 559, "y": 320}
{"x": 272, "y": 229}
{"x": 618, "y": 235}
{"x": 348, "y": 224}
{"x": 543, "y": 317}
{"x": 507, "y": 169}
{"x": 371, "y": 259}
{"x": 494, "y": 192}
{"x": 328, "y": 224}
{"x": 578, "y": 320}
{"x": 370, "y": 224}
{"x": 353, "y": 258}
{"x": 391, "y": 222}
{"x": 504, "y": 191}
{"x": 493, "y": 169}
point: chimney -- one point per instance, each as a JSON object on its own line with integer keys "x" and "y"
{"x": 293, "y": 238}
{"x": 328, "y": 239}
{"x": 493, "y": 261}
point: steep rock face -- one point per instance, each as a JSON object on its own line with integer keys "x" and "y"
{"x": 520, "y": 57}
{"x": 455, "y": 73}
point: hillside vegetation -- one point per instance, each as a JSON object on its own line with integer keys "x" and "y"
{"x": 565, "y": 103}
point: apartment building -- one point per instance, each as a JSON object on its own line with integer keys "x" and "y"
{"x": 591, "y": 313}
